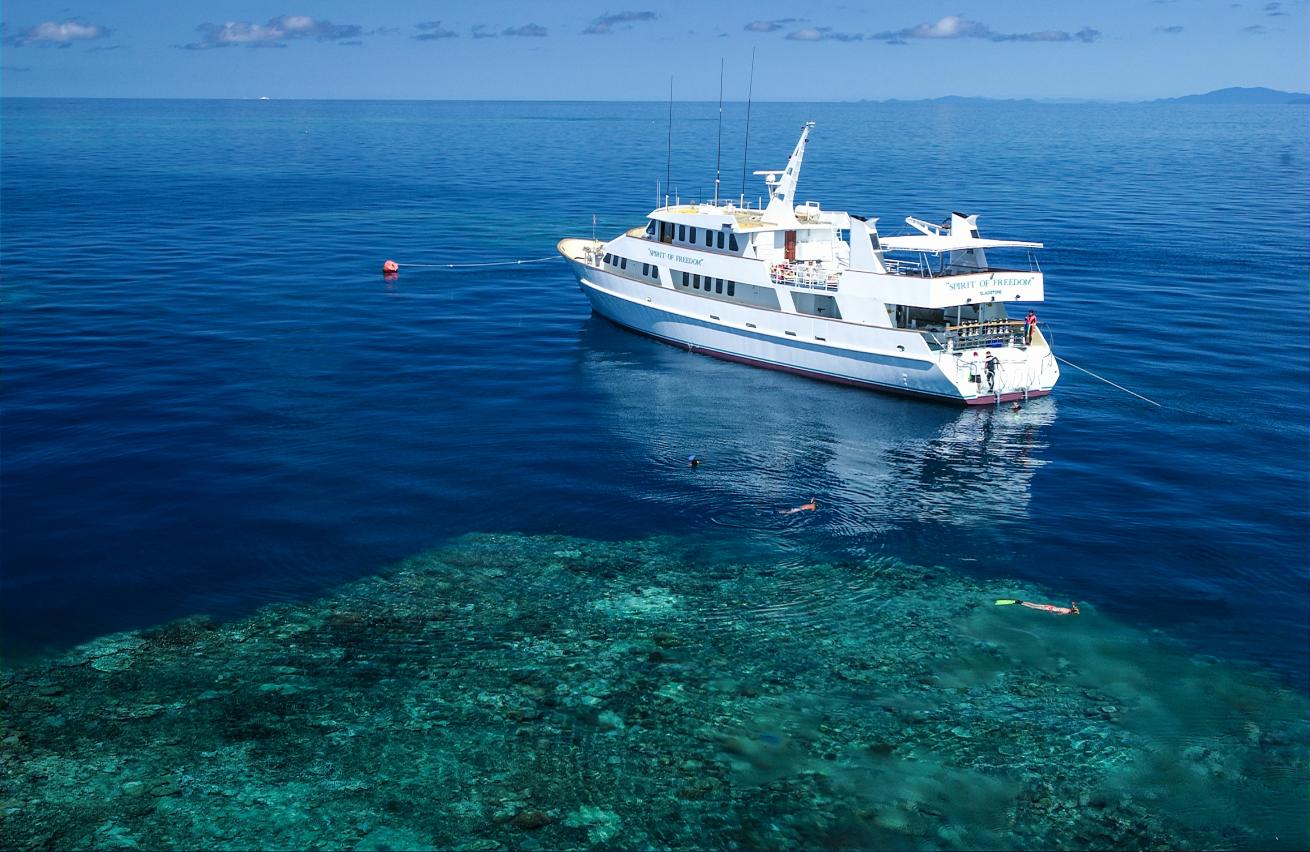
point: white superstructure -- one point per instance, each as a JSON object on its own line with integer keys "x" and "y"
{"x": 819, "y": 293}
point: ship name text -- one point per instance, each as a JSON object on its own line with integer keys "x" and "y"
{"x": 993, "y": 281}
{"x": 668, "y": 255}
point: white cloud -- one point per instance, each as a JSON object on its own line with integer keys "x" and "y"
{"x": 528, "y": 30}
{"x": 433, "y": 30}
{"x": 770, "y": 26}
{"x": 57, "y": 33}
{"x": 951, "y": 26}
{"x": 805, "y": 34}
{"x": 958, "y": 26}
{"x": 822, "y": 34}
{"x": 272, "y": 34}
{"x": 605, "y": 23}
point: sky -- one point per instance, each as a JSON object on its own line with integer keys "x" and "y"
{"x": 627, "y": 49}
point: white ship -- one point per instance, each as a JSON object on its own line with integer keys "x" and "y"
{"x": 819, "y": 293}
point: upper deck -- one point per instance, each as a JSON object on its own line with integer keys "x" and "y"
{"x": 743, "y": 218}
{"x": 804, "y": 246}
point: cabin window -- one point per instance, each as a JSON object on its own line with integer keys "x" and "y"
{"x": 623, "y": 263}
{"x": 709, "y": 237}
{"x": 609, "y": 258}
{"x": 718, "y": 285}
{"x": 720, "y": 239}
{"x": 645, "y": 269}
{"x": 654, "y": 272}
{"x": 682, "y": 233}
{"x": 732, "y": 242}
{"x": 695, "y": 281}
{"x": 732, "y": 286}
{"x": 693, "y": 235}
{"x": 650, "y": 228}
{"x": 686, "y": 279}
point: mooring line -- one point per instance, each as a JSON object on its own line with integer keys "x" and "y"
{"x": 1107, "y": 381}
{"x": 478, "y": 265}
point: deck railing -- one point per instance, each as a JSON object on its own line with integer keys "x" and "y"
{"x": 923, "y": 268}
{"x": 987, "y": 333}
{"x": 915, "y": 268}
{"x": 810, "y": 276}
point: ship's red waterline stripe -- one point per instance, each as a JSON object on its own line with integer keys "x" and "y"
{"x": 989, "y": 399}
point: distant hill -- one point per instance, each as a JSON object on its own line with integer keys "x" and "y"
{"x": 1239, "y": 95}
{"x": 1235, "y": 95}
{"x": 968, "y": 100}
{"x": 956, "y": 99}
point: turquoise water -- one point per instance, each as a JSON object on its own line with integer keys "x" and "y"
{"x": 552, "y": 692}
{"x": 214, "y": 405}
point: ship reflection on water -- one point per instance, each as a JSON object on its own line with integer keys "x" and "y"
{"x": 879, "y": 467}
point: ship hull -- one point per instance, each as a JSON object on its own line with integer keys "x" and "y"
{"x": 664, "y": 315}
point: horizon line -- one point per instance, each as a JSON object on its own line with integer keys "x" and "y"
{"x": 1053, "y": 101}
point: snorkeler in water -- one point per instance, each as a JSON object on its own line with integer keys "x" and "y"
{"x": 1071, "y": 609}
{"x": 804, "y": 507}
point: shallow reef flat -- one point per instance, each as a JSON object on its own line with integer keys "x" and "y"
{"x": 513, "y": 692}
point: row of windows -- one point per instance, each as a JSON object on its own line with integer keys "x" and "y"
{"x": 710, "y": 285}
{"x": 711, "y": 238}
{"x": 648, "y": 270}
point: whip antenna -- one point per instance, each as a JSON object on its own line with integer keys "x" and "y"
{"x": 749, "y": 91}
{"x": 718, "y": 155}
{"x": 668, "y": 166}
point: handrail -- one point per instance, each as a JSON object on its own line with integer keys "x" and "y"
{"x": 896, "y": 266}
{"x": 984, "y": 323}
{"x": 807, "y": 276}
{"x": 986, "y": 331}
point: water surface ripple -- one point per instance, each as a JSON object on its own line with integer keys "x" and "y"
{"x": 213, "y": 401}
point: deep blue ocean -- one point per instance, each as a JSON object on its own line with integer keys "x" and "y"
{"x": 212, "y": 400}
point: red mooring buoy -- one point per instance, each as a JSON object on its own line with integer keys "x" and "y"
{"x": 390, "y": 267}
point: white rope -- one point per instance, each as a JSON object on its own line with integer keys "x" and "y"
{"x": 480, "y": 265}
{"x": 1107, "y": 381}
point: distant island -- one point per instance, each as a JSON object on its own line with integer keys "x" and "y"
{"x": 1234, "y": 95}
{"x": 1239, "y": 95}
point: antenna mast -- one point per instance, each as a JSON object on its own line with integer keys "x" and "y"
{"x": 719, "y": 154}
{"x": 750, "y": 90}
{"x": 668, "y": 166}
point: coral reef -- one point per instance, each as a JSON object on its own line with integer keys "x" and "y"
{"x": 514, "y": 692}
